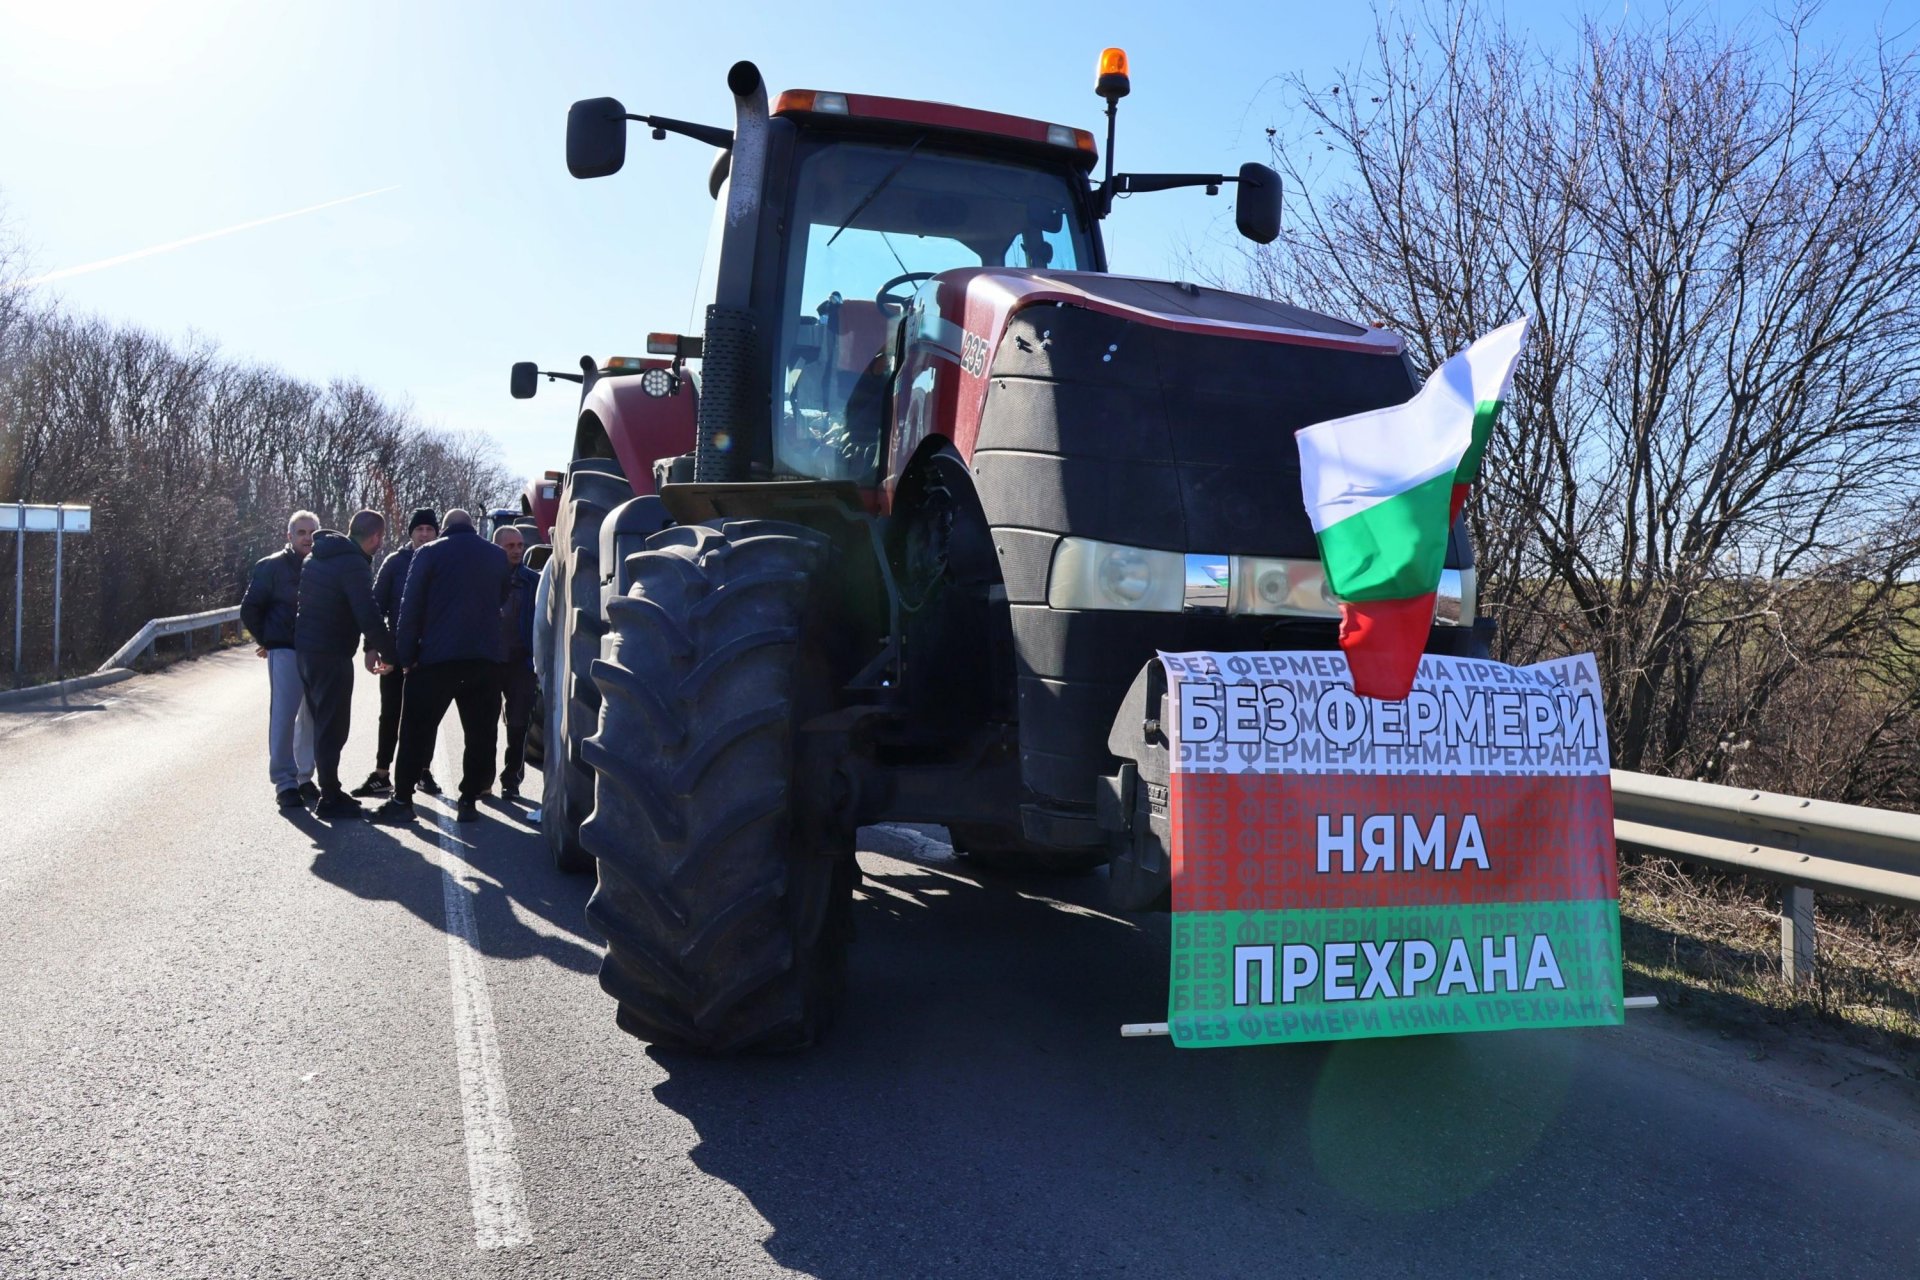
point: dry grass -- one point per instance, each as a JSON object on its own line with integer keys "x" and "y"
{"x": 1709, "y": 943}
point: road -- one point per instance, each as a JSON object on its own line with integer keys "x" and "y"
{"x": 242, "y": 1044}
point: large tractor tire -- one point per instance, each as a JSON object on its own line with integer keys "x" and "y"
{"x": 573, "y": 702}
{"x": 1005, "y": 850}
{"x": 724, "y": 895}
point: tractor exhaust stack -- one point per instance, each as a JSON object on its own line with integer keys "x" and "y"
{"x": 731, "y": 400}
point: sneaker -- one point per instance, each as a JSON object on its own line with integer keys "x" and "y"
{"x": 468, "y": 810}
{"x": 427, "y": 785}
{"x": 378, "y": 783}
{"x": 509, "y": 790}
{"x": 309, "y": 791}
{"x": 336, "y": 804}
{"x": 395, "y": 811}
{"x": 290, "y": 798}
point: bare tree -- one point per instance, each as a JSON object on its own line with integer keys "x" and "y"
{"x": 1709, "y": 473}
{"x": 192, "y": 463}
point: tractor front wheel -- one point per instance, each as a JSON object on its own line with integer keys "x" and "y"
{"x": 724, "y": 895}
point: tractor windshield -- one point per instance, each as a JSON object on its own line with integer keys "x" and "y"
{"x": 871, "y": 225}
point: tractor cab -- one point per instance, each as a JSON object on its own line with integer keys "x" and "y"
{"x": 883, "y": 196}
{"x": 837, "y": 210}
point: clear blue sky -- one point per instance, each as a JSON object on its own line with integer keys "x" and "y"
{"x": 126, "y": 124}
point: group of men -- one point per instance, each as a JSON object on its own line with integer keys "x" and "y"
{"x": 448, "y": 622}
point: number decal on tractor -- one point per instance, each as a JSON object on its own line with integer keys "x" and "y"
{"x": 973, "y": 354}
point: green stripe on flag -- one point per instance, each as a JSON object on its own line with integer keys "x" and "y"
{"x": 1270, "y": 977}
{"x": 1485, "y": 414}
{"x": 1394, "y": 549}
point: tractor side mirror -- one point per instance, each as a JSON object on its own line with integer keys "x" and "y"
{"x": 526, "y": 380}
{"x": 596, "y": 137}
{"x": 1256, "y": 207}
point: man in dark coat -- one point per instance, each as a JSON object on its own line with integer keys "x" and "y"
{"x": 517, "y": 681}
{"x": 423, "y": 528}
{"x": 336, "y": 609}
{"x": 267, "y": 612}
{"x": 449, "y": 642}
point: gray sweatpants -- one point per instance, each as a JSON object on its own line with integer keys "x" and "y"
{"x": 290, "y": 724}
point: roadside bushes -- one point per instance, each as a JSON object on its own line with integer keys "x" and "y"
{"x": 192, "y": 462}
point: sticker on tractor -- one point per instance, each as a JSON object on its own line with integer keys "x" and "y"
{"x": 1347, "y": 867}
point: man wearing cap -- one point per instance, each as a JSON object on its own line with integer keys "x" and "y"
{"x": 267, "y": 611}
{"x": 422, "y": 528}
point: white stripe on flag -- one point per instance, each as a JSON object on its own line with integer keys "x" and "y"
{"x": 1351, "y": 464}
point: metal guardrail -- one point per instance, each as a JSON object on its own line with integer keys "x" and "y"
{"x": 185, "y": 624}
{"x": 1807, "y": 845}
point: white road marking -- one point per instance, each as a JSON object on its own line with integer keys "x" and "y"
{"x": 500, "y": 1218}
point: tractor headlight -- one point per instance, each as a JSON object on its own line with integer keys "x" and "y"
{"x": 1275, "y": 587}
{"x": 1103, "y": 575}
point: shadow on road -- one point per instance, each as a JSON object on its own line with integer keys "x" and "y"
{"x": 515, "y": 871}
{"x": 976, "y": 1111}
{"x": 38, "y": 710}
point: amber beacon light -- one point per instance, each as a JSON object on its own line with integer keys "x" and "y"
{"x": 1113, "y": 82}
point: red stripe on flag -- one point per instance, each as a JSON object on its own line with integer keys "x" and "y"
{"x": 1382, "y": 640}
{"x": 1251, "y": 841}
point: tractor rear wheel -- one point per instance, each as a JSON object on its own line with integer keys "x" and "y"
{"x": 725, "y": 895}
{"x": 573, "y": 700}
{"x": 1003, "y": 849}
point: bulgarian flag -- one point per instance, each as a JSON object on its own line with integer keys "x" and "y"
{"x": 1383, "y": 488}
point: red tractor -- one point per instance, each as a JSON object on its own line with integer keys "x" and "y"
{"x": 953, "y": 486}
{"x": 631, "y": 411}
{"x": 540, "y": 502}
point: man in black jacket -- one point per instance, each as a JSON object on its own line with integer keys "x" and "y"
{"x": 517, "y": 682}
{"x": 423, "y": 528}
{"x": 336, "y": 609}
{"x": 267, "y": 611}
{"x": 449, "y": 642}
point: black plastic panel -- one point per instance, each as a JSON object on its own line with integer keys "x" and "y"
{"x": 1099, "y": 427}
{"x": 1025, "y": 557}
{"x": 1104, "y": 428}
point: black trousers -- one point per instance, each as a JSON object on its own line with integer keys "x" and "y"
{"x": 329, "y": 681}
{"x": 473, "y": 687}
{"x": 518, "y": 685}
{"x": 393, "y": 687}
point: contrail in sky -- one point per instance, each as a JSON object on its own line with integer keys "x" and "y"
{"x": 171, "y": 245}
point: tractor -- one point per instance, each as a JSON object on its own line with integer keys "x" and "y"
{"x": 539, "y": 501}
{"x": 952, "y": 487}
{"x": 631, "y": 410}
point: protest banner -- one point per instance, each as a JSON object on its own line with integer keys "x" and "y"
{"x": 1347, "y": 867}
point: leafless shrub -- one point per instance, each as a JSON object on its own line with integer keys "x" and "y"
{"x": 1709, "y": 472}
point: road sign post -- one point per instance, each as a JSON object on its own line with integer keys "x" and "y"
{"x": 59, "y": 519}
{"x": 19, "y": 581}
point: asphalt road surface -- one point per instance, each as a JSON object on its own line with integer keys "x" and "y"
{"x": 234, "y": 1043}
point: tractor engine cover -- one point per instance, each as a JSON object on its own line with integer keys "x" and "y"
{"x": 1143, "y": 413}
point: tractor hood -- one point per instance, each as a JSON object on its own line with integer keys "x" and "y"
{"x": 984, "y": 298}
{"x": 1193, "y": 382}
